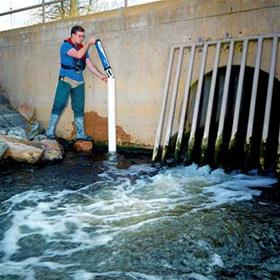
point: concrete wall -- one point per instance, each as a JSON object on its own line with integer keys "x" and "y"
{"x": 137, "y": 41}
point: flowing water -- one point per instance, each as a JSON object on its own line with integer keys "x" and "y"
{"x": 120, "y": 217}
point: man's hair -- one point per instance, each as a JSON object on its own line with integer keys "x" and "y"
{"x": 76, "y": 28}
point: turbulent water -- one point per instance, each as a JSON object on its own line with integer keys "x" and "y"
{"x": 122, "y": 218}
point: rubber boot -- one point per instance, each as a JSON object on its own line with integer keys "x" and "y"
{"x": 50, "y": 133}
{"x": 80, "y": 135}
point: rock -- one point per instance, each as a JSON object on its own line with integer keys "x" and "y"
{"x": 32, "y": 130}
{"x": 27, "y": 111}
{"x": 23, "y": 150}
{"x": 10, "y": 118}
{"x": 4, "y": 100}
{"x": 3, "y": 149}
{"x": 17, "y": 132}
{"x": 83, "y": 146}
{"x": 52, "y": 150}
{"x": 4, "y": 131}
{"x": 40, "y": 137}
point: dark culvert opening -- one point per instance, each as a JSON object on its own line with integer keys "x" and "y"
{"x": 237, "y": 157}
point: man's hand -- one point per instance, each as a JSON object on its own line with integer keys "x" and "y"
{"x": 104, "y": 78}
{"x": 95, "y": 70}
{"x": 92, "y": 40}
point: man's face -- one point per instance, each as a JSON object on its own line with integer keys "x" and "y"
{"x": 78, "y": 37}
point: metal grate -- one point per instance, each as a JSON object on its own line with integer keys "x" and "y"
{"x": 190, "y": 106}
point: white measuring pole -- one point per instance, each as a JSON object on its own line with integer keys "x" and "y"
{"x": 112, "y": 146}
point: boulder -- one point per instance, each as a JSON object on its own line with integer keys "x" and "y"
{"x": 33, "y": 129}
{"x": 23, "y": 150}
{"x": 17, "y": 132}
{"x": 10, "y": 118}
{"x": 27, "y": 111}
{"x": 40, "y": 137}
{"x": 4, "y": 131}
{"x": 52, "y": 150}
{"x": 3, "y": 149}
{"x": 4, "y": 100}
{"x": 83, "y": 146}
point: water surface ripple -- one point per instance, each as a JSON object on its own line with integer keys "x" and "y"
{"x": 122, "y": 218}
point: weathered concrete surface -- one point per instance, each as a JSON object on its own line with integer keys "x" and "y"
{"x": 97, "y": 126}
{"x": 137, "y": 41}
{"x": 27, "y": 111}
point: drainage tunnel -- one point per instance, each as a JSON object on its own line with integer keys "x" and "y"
{"x": 220, "y": 104}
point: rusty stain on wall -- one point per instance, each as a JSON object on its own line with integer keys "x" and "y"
{"x": 97, "y": 127}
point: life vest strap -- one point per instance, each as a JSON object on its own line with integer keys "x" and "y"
{"x": 68, "y": 67}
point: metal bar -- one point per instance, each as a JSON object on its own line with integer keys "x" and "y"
{"x": 185, "y": 102}
{"x": 249, "y": 38}
{"x": 205, "y": 139}
{"x": 198, "y": 96}
{"x": 225, "y": 91}
{"x": 239, "y": 90}
{"x": 270, "y": 88}
{"x": 43, "y": 11}
{"x": 212, "y": 92}
{"x": 254, "y": 90}
{"x": 30, "y": 7}
{"x": 172, "y": 105}
{"x": 163, "y": 106}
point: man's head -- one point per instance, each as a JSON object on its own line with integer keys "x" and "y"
{"x": 77, "y": 34}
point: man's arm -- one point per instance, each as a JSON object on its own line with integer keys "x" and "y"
{"x": 81, "y": 52}
{"x": 95, "y": 70}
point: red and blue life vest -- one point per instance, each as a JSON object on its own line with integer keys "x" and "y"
{"x": 78, "y": 63}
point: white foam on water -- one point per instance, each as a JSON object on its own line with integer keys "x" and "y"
{"x": 124, "y": 204}
{"x": 237, "y": 188}
{"x": 17, "y": 268}
{"x": 197, "y": 276}
{"x": 25, "y": 270}
{"x": 217, "y": 260}
{"x": 84, "y": 275}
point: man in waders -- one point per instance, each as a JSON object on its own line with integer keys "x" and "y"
{"x": 73, "y": 57}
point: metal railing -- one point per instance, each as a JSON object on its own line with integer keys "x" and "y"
{"x": 43, "y": 6}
